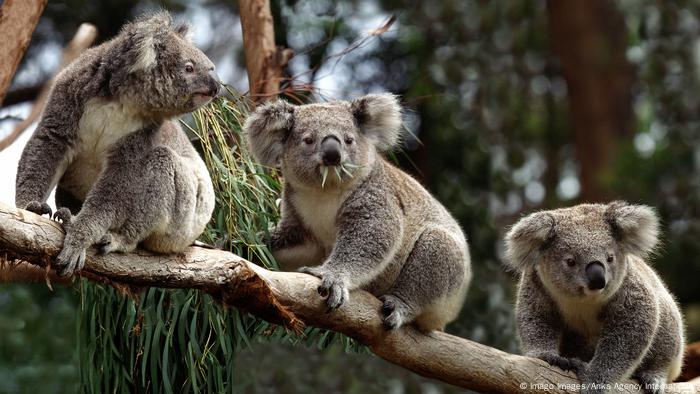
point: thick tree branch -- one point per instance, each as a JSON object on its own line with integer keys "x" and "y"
{"x": 285, "y": 296}
{"x": 18, "y": 18}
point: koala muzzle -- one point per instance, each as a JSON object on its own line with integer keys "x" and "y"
{"x": 330, "y": 151}
{"x": 595, "y": 275}
{"x": 215, "y": 84}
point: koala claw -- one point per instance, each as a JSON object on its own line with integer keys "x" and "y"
{"x": 313, "y": 271}
{"x": 552, "y": 358}
{"x": 63, "y": 215}
{"x": 70, "y": 260}
{"x": 334, "y": 290}
{"x": 40, "y": 208}
{"x": 104, "y": 245}
{"x": 393, "y": 311}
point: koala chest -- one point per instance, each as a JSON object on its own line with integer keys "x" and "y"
{"x": 102, "y": 124}
{"x": 582, "y": 317}
{"x": 319, "y": 211}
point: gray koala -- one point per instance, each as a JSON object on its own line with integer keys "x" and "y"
{"x": 367, "y": 223}
{"x": 588, "y": 302}
{"x": 110, "y": 139}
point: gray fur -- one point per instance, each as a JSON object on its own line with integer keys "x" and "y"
{"x": 632, "y": 327}
{"x": 109, "y": 137}
{"x": 372, "y": 227}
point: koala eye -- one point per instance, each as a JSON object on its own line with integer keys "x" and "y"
{"x": 308, "y": 140}
{"x": 570, "y": 262}
{"x": 610, "y": 259}
{"x": 349, "y": 140}
{"x": 189, "y": 68}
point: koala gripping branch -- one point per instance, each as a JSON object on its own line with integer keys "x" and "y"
{"x": 290, "y": 299}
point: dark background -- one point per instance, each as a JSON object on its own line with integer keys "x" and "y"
{"x": 512, "y": 106}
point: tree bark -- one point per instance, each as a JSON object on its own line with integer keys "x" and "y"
{"x": 265, "y": 61}
{"x": 590, "y": 40}
{"x": 18, "y": 18}
{"x": 83, "y": 38}
{"x": 291, "y": 298}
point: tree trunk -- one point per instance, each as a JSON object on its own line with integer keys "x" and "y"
{"x": 18, "y": 18}
{"x": 265, "y": 61}
{"x": 590, "y": 39}
{"x": 292, "y": 298}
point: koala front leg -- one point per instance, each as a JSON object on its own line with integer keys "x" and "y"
{"x": 630, "y": 322}
{"x": 369, "y": 228}
{"x": 44, "y": 159}
{"x": 539, "y": 322}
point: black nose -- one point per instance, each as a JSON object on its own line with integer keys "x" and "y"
{"x": 215, "y": 85}
{"x": 330, "y": 151}
{"x": 595, "y": 275}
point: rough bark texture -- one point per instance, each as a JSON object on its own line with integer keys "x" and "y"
{"x": 18, "y": 18}
{"x": 264, "y": 61}
{"x": 289, "y": 298}
{"x": 590, "y": 40}
{"x": 83, "y": 38}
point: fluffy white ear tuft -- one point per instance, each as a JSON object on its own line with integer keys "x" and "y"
{"x": 379, "y": 118}
{"x": 527, "y": 238}
{"x": 184, "y": 31}
{"x": 636, "y": 227}
{"x": 267, "y": 129}
{"x": 145, "y": 55}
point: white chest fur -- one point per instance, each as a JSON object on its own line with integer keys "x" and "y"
{"x": 582, "y": 316}
{"x": 318, "y": 210}
{"x": 102, "y": 124}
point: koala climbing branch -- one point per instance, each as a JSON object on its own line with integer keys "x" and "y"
{"x": 290, "y": 299}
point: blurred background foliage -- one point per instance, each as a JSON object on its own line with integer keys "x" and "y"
{"x": 512, "y": 106}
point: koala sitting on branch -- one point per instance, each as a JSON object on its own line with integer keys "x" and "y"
{"x": 362, "y": 222}
{"x": 110, "y": 139}
{"x": 588, "y": 302}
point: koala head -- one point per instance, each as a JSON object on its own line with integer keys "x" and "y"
{"x": 160, "y": 70}
{"x": 582, "y": 251}
{"x": 324, "y": 145}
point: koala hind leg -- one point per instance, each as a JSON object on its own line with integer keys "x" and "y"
{"x": 430, "y": 287}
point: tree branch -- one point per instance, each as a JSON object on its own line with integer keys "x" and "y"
{"x": 83, "y": 38}
{"x": 289, "y": 298}
{"x": 18, "y": 18}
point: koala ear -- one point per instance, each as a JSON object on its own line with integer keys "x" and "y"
{"x": 184, "y": 31}
{"x": 635, "y": 227}
{"x": 527, "y": 238}
{"x": 379, "y": 118}
{"x": 267, "y": 129}
{"x": 145, "y": 32}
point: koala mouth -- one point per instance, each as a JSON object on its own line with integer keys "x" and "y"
{"x": 342, "y": 168}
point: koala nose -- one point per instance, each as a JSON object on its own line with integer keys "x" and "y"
{"x": 595, "y": 275}
{"x": 330, "y": 151}
{"x": 215, "y": 83}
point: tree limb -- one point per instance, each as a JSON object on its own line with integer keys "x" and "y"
{"x": 18, "y": 18}
{"x": 289, "y": 298}
{"x": 82, "y": 40}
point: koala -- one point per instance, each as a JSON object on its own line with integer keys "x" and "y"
{"x": 587, "y": 301}
{"x": 352, "y": 219}
{"x": 109, "y": 140}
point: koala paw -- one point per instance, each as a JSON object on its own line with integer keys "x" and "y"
{"x": 650, "y": 384}
{"x": 40, "y": 208}
{"x": 106, "y": 244}
{"x": 554, "y": 359}
{"x": 70, "y": 260}
{"x": 332, "y": 287}
{"x": 63, "y": 215}
{"x": 394, "y": 310}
